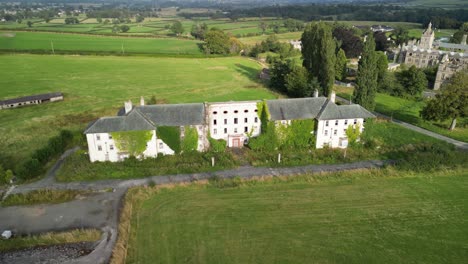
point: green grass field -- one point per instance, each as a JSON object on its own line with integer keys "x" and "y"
{"x": 95, "y": 86}
{"x": 408, "y": 111}
{"x": 49, "y": 42}
{"x": 359, "y": 217}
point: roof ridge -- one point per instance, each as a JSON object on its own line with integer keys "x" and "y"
{"x": 147, "y": 119}
{"x": 324, "y": 106}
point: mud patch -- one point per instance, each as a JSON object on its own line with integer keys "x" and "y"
{"x": 63, "y": 253}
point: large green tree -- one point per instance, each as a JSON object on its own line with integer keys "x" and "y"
{"x": 366, "y": 78}
{"x": 451, "y": 102}
{"x": 318, "y": 51}
{"x": 217, "y": 42}
{"x": 382, "y": 68}
{"x": 413, "y": 80}
{"x": 297, "y": 82}
{"x": 400, "y": 35}
{"x": 340, "y": 65}
{"x": 177, "y": 28}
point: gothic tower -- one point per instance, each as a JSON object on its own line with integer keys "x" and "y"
{"x": 427, "y": 38}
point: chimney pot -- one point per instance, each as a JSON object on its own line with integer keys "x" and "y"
{"x": 333, "y": 96}
{"x": 128, "y": 106}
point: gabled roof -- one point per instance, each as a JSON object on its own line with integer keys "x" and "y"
{"x": 299, "y": 108}
{"x": 333, "y": 111}
{"x": 174, "y": 114}
{"x": 134, "y": 121}
{"x": 30, "y": 98}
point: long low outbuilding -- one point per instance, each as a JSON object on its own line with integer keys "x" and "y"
{"x": 31, "y": 100}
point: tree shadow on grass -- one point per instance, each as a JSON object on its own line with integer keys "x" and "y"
{"x": 249, "y": 72}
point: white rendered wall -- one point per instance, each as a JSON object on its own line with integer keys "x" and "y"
{"x": 326, "y": 134}
{"x": 226, "y": 128}
{"x": 163, "y": 148}
{"x": 101, "y": 147}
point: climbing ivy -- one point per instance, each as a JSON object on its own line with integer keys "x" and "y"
{"x": 133, "y": 142}
{"x": 353, "y": 132}
{"x": 297, "y": 134}
{"x": 170, "y": 136}
{"x": 263, "y": 115}
{"x": 190, "y": 141}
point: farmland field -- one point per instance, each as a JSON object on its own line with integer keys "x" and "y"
{"x": 359, "y": 217}
{"x": 95, "y": 86}
{"x": 38, "y": 41}
{"x": 150, "y": 27}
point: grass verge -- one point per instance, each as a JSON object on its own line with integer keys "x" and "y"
{"x": 49, "y": 239}
{"x": 43, "y": 196}
{"x": 77, "y": 167}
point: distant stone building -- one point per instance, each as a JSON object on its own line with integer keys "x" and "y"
{"x": 31, "y": 100}
{"x": 449, "y": 57}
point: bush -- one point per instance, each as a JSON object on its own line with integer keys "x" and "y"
{"x": 431, "y": 156}
{"x": 217, "y": 145}
{"x": 55, "y": 146}
{"x": 29, "y": 169}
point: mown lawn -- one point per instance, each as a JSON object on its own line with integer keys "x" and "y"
{"x": 359, "y": 217}
{"x": 408, "y": 111}
{"x": 95, "y": 86}
{"x": 44, "y": 42}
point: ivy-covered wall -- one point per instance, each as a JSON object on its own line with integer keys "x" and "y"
{"x": 133, "y": 142}
{"x": 297, "y": 134}
{"x": 170, "y": 136}
{"x": 190, "y": 141}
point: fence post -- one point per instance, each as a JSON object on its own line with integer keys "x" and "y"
{"x": 279, "y": 157}
{"x": 212, "y": 161}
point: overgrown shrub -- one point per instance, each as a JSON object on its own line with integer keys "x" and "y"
{"x": 33, "y": 166}
{"x": 431, "y": 156}
{"x": 217, "y": 145}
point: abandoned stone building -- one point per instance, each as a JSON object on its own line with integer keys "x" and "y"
{"x": 448, "y": 57}
{"x": 233, "y": 122}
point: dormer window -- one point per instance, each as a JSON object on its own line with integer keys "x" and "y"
{"x": 225, "y": 112}
{"x": 235, "y": 111}
{"x": 246, "y": 111}
{"x": 214, "y": 113}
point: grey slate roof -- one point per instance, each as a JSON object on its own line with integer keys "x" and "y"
{"x": 134, "y": 121}
{"x": 174, "y": 114}
{"x": 299, "y": 108}
{"x": 453, "y": 46}
{"x": 333, "y": 111}
{"x": 30, "y": 98}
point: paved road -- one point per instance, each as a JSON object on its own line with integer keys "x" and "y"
{"x": 459, "y": 144}
{"x": 243, "y": 172}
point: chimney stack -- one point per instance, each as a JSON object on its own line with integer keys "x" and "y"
{"x": 463, "y": 42}
{"x": 315, "y": 93}
{"x": 128, "y": 106}
{"x": 333, "y": 96}
{"x": 142, "y": 101}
